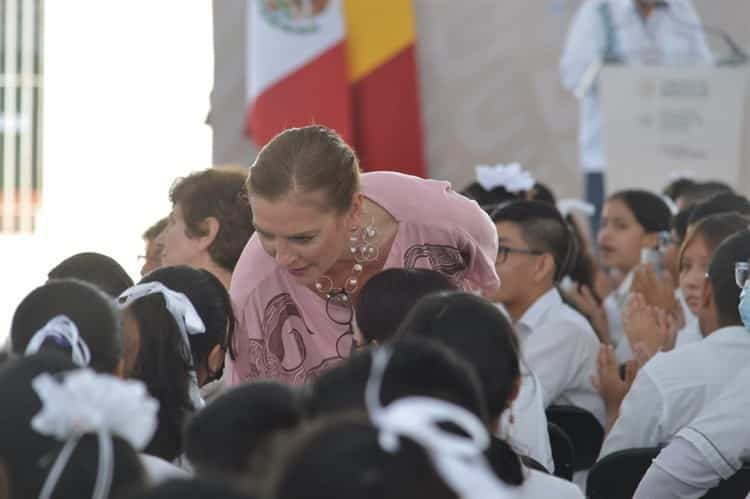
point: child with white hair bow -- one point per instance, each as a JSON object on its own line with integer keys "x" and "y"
{"x": 70, "y": 432}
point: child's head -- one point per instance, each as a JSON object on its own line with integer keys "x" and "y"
{"x": 211, "y": 300}
{"x": 721, "y": 203}
{"x": 91, "y": 311}
{"x": 536, "y": 249}
{"x": 720, "y": 293}
{"x": 231, "y": 437}
{"x": 416, "y": 367}
{"x": 388, "y": 296}
{"x": 28, "y": 449}
{"x": 94, "y": 268}
{"x": 477, "y": 332}
{"x": 157, "y": 325}
{"x": 344, "y": 458}
{"x": 632, "y": 220}
{"x": 695, "y": 254}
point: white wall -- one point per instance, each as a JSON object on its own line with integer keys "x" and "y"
{"x": 127, "y": 87}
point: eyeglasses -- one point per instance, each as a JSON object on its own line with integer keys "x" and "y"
{"x": 504, "y": 251}
{"x": 741, "y": 273}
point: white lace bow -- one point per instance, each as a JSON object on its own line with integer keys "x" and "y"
{"x": 512, "y": 177}
{"x": 85, "y": 402}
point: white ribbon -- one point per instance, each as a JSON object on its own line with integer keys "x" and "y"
{"x": 512, "y": 177}
{"x": 61, "y": 328}
{"x": 673, "y": 209}
{"x": 185, "y": 315}
{"x": 568, "y": 205}
{"x": 458, "y": 459}
{"x": 85, "y": 402}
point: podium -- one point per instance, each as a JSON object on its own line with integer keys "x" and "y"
{"x": 661, "y": 119}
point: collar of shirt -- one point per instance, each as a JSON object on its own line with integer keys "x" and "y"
{"x": 623, "y": 290}
{"x": 535, "y": 314}
{"x": 727, "y": 334}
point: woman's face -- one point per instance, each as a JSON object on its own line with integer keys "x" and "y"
{"x": 303, "y": 238}
{"x": 621, "y": 237}
{"x": 693, "y": 268}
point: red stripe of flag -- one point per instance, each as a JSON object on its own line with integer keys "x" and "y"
{"x": 316, "y": 93}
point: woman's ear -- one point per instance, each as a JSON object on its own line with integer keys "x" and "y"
{"x": 355, "y": 211}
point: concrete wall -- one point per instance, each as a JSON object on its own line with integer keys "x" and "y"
{"x": 489, "y": 84}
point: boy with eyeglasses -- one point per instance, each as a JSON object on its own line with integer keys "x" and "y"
{"x": 536, "y": 250}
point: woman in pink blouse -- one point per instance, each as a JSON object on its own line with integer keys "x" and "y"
{"x": 322, "y": 230}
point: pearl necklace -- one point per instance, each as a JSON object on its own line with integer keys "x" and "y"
{"x": 362, "y": 246}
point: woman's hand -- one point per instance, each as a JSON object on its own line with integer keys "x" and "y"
{"x": 585, "y": 301}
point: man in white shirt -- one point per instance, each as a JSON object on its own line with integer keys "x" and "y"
{"x": 628, "y": 31}
{"x": 674, "y": 387}
{"x": 536, "y": 249}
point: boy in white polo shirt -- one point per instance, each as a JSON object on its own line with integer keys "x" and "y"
{"x": 536, "y": 249}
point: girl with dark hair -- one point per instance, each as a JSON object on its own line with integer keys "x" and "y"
{"x": 342, "y": 457}
{"x": 158, "y": 324}
{"x": 50, "y": 451}
{"x": 632, "y": 221}
{"x": 386, "y": 299}
{"x": 70, "y": 316}
{"x": 493, "y": 349}
{"x": 231, "y": 439}
{"x": 211, "y": 301}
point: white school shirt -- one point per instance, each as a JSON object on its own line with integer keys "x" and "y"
{"x": 613, "y": 305}
{"x": 674, "y": 387}
{"x": 561, "y": 348}
{"x": 678, "y": 472}
{"x": 539, "y": 485}
{"x": 721, "y": 433}
{"x": 528, "y": 435}
{"x": 671, "y": 36}
{"x": 689, "y": 334}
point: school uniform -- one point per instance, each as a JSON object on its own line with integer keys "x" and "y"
{"x": 528, "y": 434}
{"x": 561, "y": 348}
{"x": 613, "y": 305}
{"x": 674, "y": 387}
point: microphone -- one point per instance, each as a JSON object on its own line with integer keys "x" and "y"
{"x": 738, "y": 55}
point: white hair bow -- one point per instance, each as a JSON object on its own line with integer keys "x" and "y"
{"x": 512, "y": 177}
{"x": 63, "y": 331}
{"x": 84, "y": 402}
{"x": 458, "y": 459}
{"x": 185, "y": 315}
{"x": 569, "y": 205}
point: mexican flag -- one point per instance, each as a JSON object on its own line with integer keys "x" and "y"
{"x": 346, "y": 64}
